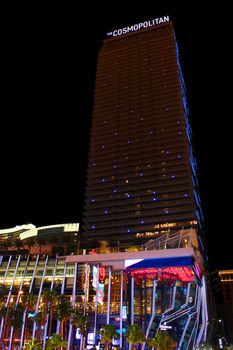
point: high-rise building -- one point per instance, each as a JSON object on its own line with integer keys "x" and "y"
{"x": 141, "y": 179}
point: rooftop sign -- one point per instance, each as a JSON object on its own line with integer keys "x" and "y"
{"x": 138, "y": 26}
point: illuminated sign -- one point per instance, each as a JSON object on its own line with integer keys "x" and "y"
{"x": 100, "y": 293}
{"x": 95, "y": 274}
{"x": 181, "y": 273}
{"x": 138, "y": 26}
{"x": 102, "y": 274}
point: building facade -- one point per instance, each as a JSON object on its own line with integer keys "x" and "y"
{"x": 51, "y": 239}
{"x": 141, "y": 179}
{"x": 226, "y": 310}
{"x": 160, "y": 288}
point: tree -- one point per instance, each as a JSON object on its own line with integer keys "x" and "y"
{"x": 162, "y": 341}
{"x": 50, "y": 299}
{"x": 135, "y": 335}
{"x": 56, "y": 342}
{"x": 15, "y": 319}
{"x": 33, "y": 345}
{"x": 40, "y": 319}
{"x": 63, "y": 312}
{"x": 18, "y": 244}
{"x": 108, "y": 332}
{"x": 30, "y": 242}
{"x": 41, "y": 241}
{"x": 153, "y": 343}
{"x": 29, "y": 301}
{"x": 81, "y": 322}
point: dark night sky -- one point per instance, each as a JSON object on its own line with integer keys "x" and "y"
{"x": 49, "y": 68}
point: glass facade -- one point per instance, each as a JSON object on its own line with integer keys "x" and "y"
{"x": 105, "y": 293}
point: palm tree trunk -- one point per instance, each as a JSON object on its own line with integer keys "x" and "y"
{"x": 50, "y": 320}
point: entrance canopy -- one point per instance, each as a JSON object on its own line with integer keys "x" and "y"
{"x": 165, "y": 269}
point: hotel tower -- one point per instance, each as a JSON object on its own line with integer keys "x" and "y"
{"x": 141, "y": 179}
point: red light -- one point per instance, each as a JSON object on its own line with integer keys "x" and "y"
{"x": 181, "y": 273}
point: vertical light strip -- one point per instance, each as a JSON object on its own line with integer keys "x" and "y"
{"x": 30, "y": 289}
{"x": 73, "y": 305}
{"x": 7, "y": 268}
{"x": 121, "y": 307}
{"x": 47, "y": 316}
{"x": 96, "y": 302}
{"x": 18, "y": 297}
{"x": 86, "y": 286}
{"x": 9, "y": 297}
{"x": 132, "y": 301}
{"x": 109, "y": 293}
{"x": 62, "y": 292}
{"x": 4, "y": 279}
{"x": 39, "y": 295}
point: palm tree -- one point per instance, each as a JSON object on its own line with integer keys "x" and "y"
{"x": 56, "y": 342}
{"x": 162, "y": 341}
{"x": 108, "y": 332}
{"x": 81, "y": 322}
{"x": 135, "y": 335}
{"x": 50, "y": 299}
{"x": 18, "y": 244}
{"x": 30, "y": 242}
{"x": 40, "y": 319}
{"x": 16, "y": 315}
{"x": 63, "y": 312}
{"x": 153, "y": 343}
{"x": 3, "y": 293}
{"x": 41, "y": 241}
{"x": 33, "y": 345}
{"x": 29, "y": 301}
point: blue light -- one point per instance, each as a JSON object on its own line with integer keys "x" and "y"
{"x": 93, "y": 227}
{"x": 93, "y": 200}
{"x": 154, "y": 192}
{"x": 114, "y": 190}
{"x": 128, "y": 230}
{"x": 141, "y": 174}
{"x": 141, "y": 221}
{"x": 154, "y": 199}
{"x": 186, "y": 195}
{"x": 173, "y": 176}
{"x": 103, "y": 180}
{"x": 179, "y": 156}
{"x": 106, "y": 211}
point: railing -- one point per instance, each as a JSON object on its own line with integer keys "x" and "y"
{"x": 180, "y": 239}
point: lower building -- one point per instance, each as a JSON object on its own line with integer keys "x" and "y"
{"x": 225, "y": 311}
{"x": 160, "y": 287}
